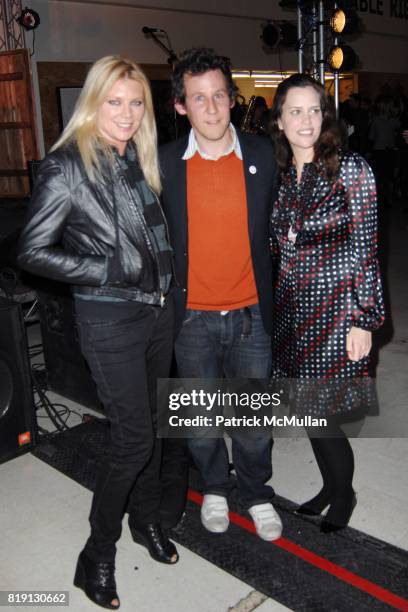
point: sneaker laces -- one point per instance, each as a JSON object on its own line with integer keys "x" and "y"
{"x": 215, "y": 507}
{"x": 266, "y": 515}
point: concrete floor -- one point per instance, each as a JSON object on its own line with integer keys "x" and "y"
{"x": 43, "y": 513}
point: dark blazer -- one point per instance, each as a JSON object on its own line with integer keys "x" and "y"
{"x": 260, "y": 179}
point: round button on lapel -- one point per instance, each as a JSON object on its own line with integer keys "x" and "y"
{"x": 252, "y": 169}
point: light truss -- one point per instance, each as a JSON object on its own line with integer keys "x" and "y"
{"x": 11, "y": 33}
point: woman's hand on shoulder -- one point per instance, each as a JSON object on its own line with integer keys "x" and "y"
{"x": 358, "y": 343}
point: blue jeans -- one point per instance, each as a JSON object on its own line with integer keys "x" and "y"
{"x": 234, "y": 345}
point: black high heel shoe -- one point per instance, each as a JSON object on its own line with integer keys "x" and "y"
{"x": 316, "y": 505}
{"x": 97, "y": 580}
{"x": 338, "y": 515}
{"x": 159, "y": 546}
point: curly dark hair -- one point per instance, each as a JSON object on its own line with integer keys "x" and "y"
{"x": 197, "y": 61}
{"x": 330, "y": 139}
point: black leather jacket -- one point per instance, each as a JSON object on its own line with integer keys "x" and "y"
{"x": 70, "y": 234}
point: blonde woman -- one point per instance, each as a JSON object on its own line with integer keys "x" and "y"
{"x": 95, "y": 222}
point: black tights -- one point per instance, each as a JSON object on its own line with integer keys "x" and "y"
{"x": 335, "y": 459}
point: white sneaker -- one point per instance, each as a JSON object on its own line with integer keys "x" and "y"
{"x": 267, "y": 521}
{"x": 214, "y": 513}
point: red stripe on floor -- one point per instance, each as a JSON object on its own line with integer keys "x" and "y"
{"x": 327, "y": 566}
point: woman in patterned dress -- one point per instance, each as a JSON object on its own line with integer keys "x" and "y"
{"x": 328, "y": 296}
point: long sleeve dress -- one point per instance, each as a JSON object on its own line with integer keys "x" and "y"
{"x": 324, "y": 234}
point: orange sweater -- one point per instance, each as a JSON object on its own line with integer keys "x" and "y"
{"x": 220, "y": 273}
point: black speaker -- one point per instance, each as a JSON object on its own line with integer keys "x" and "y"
{"x": 17, "y": 413}
{"x": 67, "y": 370}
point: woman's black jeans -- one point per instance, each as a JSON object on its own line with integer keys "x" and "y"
{"x": 128, "y": 345}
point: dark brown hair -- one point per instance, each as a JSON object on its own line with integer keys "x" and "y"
{"x": 329, "y": 141}
{"x": 198, "y": 61}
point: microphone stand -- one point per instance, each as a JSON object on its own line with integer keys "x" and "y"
{"x": 171, "y": 60}
{"x": 172, "y": 57}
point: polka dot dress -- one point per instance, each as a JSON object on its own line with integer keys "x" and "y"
{"x": 324, "y": 236}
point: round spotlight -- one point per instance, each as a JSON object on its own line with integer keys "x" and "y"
{"x": 289, "y": 36}
{"x": 345, "y": 23}
{"x": 271, "y": 35}
{"x": 338, "y": 21}
{"x": 29, "y": 19}
{"x": 335, "y": 58}
{"x": 283, "y": 33}
{"x": 342, "y": 57}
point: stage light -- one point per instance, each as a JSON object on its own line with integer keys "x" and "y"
{"x": 338, "y": 21}
{"x": 293, "y": 4}
{"x": 29, "y": 19}
{"x": 288, "y": 4}
{"x": 282, "y": 34}
{"x": 345, "y": 23}
{"x": 271, "y": 35}
{"x": 289, "y": 36}
{"x": 342, "y": 57}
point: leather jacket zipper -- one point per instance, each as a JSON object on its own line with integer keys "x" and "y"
{"x": 142, "y": 222}
{"x": 162, "y": 297}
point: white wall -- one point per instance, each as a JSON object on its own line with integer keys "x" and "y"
{"x": 85, "y": 30}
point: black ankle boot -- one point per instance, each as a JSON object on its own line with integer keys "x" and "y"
{"x": 97, "y": 580}
{"x": 152, "y": 537}
{"x": 316, "y": 505}
{"x": 339, "y": 514}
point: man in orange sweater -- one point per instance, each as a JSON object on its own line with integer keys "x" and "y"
{"x": 218, "y": 191}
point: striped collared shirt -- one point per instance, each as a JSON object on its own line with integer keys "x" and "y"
{"x": 193, "y": 147}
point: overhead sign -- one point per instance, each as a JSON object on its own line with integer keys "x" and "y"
{"x": 389, "y": 8}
